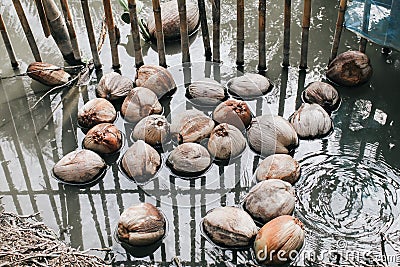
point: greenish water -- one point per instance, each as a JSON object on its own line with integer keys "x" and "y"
{"x": 349, "y": 188}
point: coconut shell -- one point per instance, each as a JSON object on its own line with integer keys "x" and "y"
{"x": 113, "y": 86}
{"x": 171, "y": 22}
{"x": 153, "y": 129}
{"x": 80, "y": 166}
{"x": 47, "y": 74}
{"x": 141, "y": 225}
{"x": 234, "y": 112}
{"x": 249, "y": 86}
{"x": 278, "y": 166}
{"x": 206, "y": 92}
{"x": 156, "y": 78}
{"x": 189, "y": 159}
{"x": 226, "y": 142}
{"x": 104, "y": 138}
{"x": 351, "y": 68}
{"x": 96, "y": 111}
{"x": 229, "y": 226}
{"x": 322, "y": 94}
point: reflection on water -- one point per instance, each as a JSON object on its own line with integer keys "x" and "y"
{"x": 349, "y": 185}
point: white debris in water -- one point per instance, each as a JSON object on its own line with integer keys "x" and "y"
{"x": 391, "y": 145}
{"x": 361, "y": 111}
{"x": 380, "y": 116}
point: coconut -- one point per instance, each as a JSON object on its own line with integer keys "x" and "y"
{"x": 226, "y": 141}
{"x": 189, "y": 159}
{"x": 96, "y": 111}
{"x": 278, "y": 166}
{"x": 153, "y": 129}
{"x": 322, "y": 94}
{"x": 104, "y": 138}
{"x": 47, "y": 74}
{"x": 113, "y": 86}
{"x": 234, "y": 112}
{"x": 156, "y": 78}
{"x": 250, "y": 85}
{"x": 206, "y": 92}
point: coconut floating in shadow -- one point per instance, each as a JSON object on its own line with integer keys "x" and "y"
{"x": 311, "y": 121}
{"x": 271, "y": 134}
{"x": 114, "y": 86}
{"x": 153, "y": 129}
{"x": 189, "y": 159}
{"x": 234, "y": 112}
{"x": 226, "y": 142}
{"x": 229, "y": 227}
{"x": 322, "y": 94}
{"x": 269, "y": 199}
{"x": 141, "y": 225}
{"x": 156, "y": 78}
{"x": 351, "y": 68}
{"x": 207, "y": 92}
{"x": 80, "y": 166}
{"x": 47, "y": 74}
{"x": 278, "y": 166}
{"x": 104, "y": 138}
{"x": 248, "y": 86}
{"x": 191, "y": 126}
{"x": 96, "y": 111}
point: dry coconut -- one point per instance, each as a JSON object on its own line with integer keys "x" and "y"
{"x": 96, "y": 111}
{"x": 226, "y": 141}
{"x": 156, "y": 78}
{"x": 322, "y": 94}
{"x": 47, "y": 74}
{"x": 113, "y": 86}
{"x": 206, "y": 92}
{"x": 278, "y": 166}
{"x": 189, "y": 159}
{"x": 250, "y": 85}
{"x": 104, "y": 138}
{"x": 153, "y": 129}
{"x": 234, "y": 112}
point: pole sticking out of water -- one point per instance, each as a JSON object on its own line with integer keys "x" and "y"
{"x": 43, "y": 18}
{"x": 338, "y": 30}
{"x": 27, "y": 30}
{"x": 366, "y": 14}
{"x": 262, "y": 61}
{"x": 90, "y": 32}
{"x": 240, "y": 33}
{"x": 135, "y": 33}
{"x": 159, "y": 33}
{"x": 204, "y": 29}
{"x": 305, "y": 34}
{"x": 112, "y": 32}
{"x": 7, "y": 43}
{"x": 71, "y": 29}
{"x": 184, "y": 31}
{"x": 286, "y": 32}
{"x": 216, "y": 16}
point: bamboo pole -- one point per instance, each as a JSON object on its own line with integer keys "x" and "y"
{"x": 305, "y": 34}
{"x": 204, "y": 29}
{"x": 43, "y": 18}
{"x": 286, "y": 32}
{"x": 366, "y": 14}
{"x": 338, "y": 30}
{"x": 262, "y": 61}
{"x": 240, "y": 33}
{"x": 184, "y": 31}
{"x": 71, "y": 29}
{"x": 27, "y": 30}
{"x": 216, "y": 16}
{"x": 90, "y": 32}
{"x": 112, "y": 32}
{"x": 135, "y": 33}
{"x": 159, "y": 33}
{"x": 7, "y": 43}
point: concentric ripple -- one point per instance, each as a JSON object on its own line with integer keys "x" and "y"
{"x": 347, "y": 196}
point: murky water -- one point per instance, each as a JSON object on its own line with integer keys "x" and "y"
{"x": 348, "y": 192}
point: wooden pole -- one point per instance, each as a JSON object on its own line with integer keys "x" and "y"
{"x": 135, "y": 33}
{"x": 71, "y": 29}
{"x": 305, "y": 34}
{"x": 338, "y": 30}
{"x": 184, "y": 31}
{"x": 112, "y": 33}
{"x": 159, "y": 33}
{"x": 7, "y": 43}
{"x": 43, "y": 18}
{"x": 240, "y": 33}
{"x": 262, "y": 61}
{"x": 286, "y": 32}
{"x": 90, "y": 32}
{"x": 27, "y": 30}
{"x": 204, "y": 29}
{"x": 216, "y": 15}
{"x": 366, "y": 14}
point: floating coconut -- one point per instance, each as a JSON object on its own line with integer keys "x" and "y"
{"x": 351, "y": 68}
{"x": 140, "y": 103}
{"x": 226, "y": 141}
{"x": 191, "y": 126}
{"x": 270, "y": 134}
{"x": 47, "y": 74}
{"x": 141, "y": 162}
{"x": 96, "y": 111}
{"x": 269, "y": 199}
{"x": 153, "y": 129}
{"x": 156, "y": 78}
{"x": 322, "y": 94}
{"x": 311, "y": 121}
{"x": 278, "y": 166}
{"x": 113, "y": 86}
{"x": 249, "y": 85}
{"x": 141, "y": 225}
{"x": 234, "y": 112}
{"x": 171, "y": 22}
{"x": 206, "y": 92}
{"x": 80, "y": 166}
{"x": 279, "y": 241}
{"x": 104, "y": 138}
{"x": 189, "y": 159}
{"x": 229, "y": 226}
